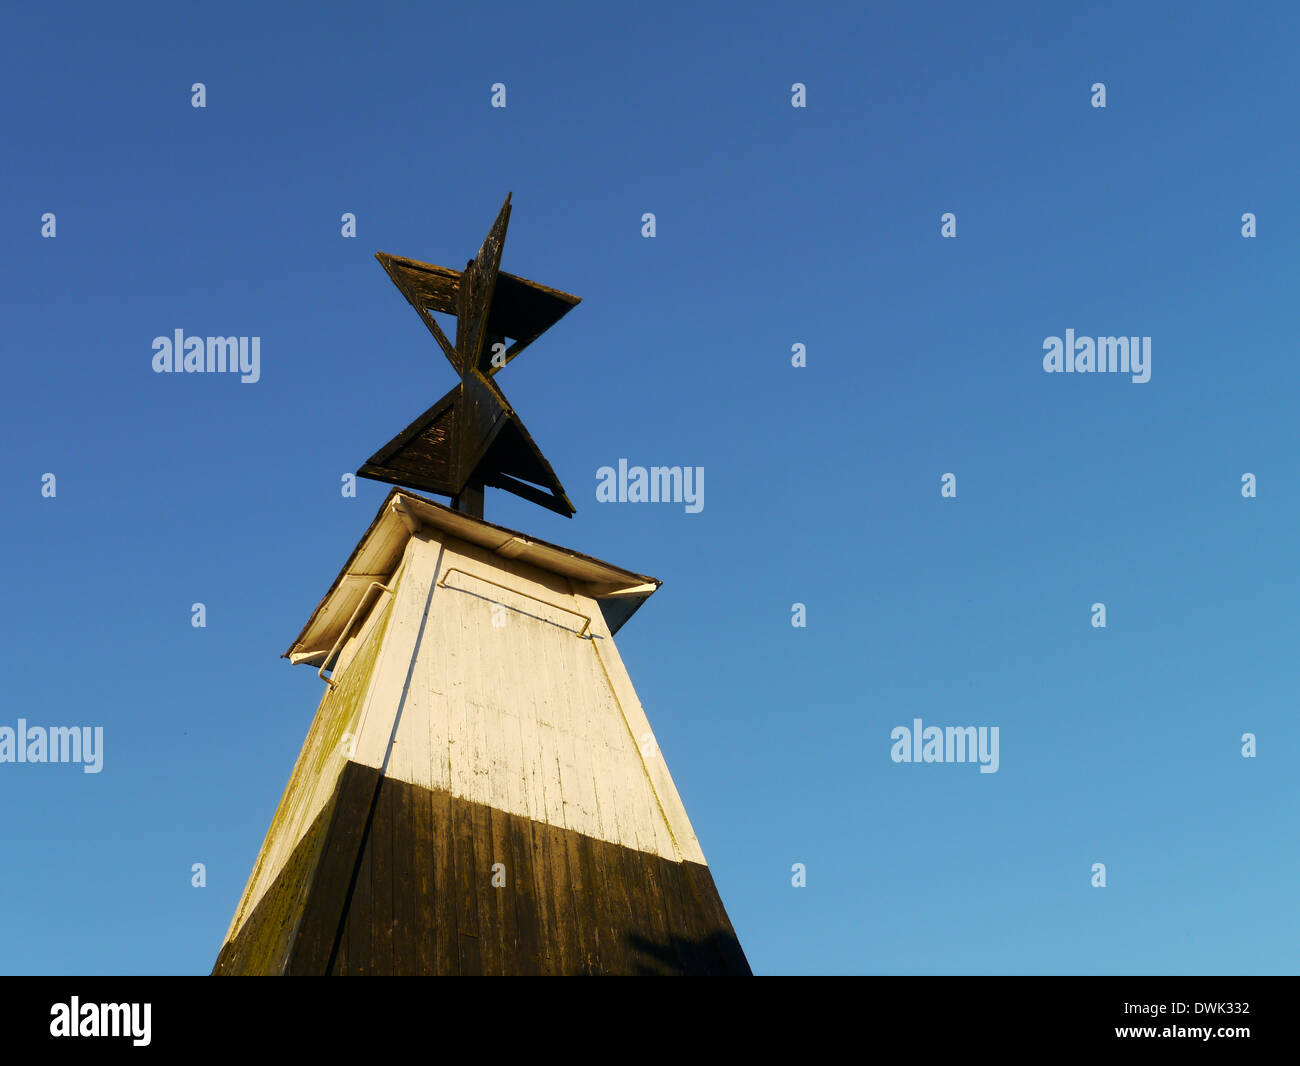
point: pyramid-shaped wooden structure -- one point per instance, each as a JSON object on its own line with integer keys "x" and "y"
{"x": 480, "y": 791}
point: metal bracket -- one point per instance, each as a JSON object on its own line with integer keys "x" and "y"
{"x": 586, "y": 621}
{"x": 343, "y": 636}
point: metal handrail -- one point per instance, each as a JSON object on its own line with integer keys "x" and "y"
{"x": 346, "y": 630}
{"x": 586, "y": 621}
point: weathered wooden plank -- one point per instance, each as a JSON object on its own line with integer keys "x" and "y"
{"x": 406, "y": 931}
{"x": 504, "y": 896}
{"x": 359, "y": 910}
{"x": 381, "y": 881}
{"x": 550, "y": 944}
{"x": 579, "y": 894}
{"x": 566, "y": 940}
{"x": 467, "y": 897}
{"x": 486, "y": 898}
{"x": 446, "y": 940}
{"x": 421, "y": 859}
{"x": 524, "y": 893}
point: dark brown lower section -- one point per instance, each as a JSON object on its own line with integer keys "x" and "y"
{"x": 397, "y": 879}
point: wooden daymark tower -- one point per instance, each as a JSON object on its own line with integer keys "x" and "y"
{"x": 480, "y": 791}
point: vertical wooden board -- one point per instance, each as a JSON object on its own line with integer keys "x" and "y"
{"x": 440, "y": 725}
{"x": 467, "y": 918}
{"x": 400, "y": 764}
{"x": 659, "y": 895}
{"x": 623, "y": 873}
{"x": 460, "y": 748}
{"x": 649, "y": 946}
{"x": 607, "y": 777}
{"x": 550, "y": 947}
{"x": 358, "y": 913}
{"x": 513, "y": 776}
{"x": 552, "y": 775}
{"x": 610, "y": 951}
{"x": 533, "y": 802}
{"x": 504, "y": 910}
{"x": 584, "y": 785}
{"x": 422, "y": 856}
{"x": 488, "y": 899}
{"x": 570, "y": 791}
{"x": 406, "y": 932}
{"x": 545, "y": 707}
{"x": 446, "y": 941}
{"x": 566, "y": 946}
{"x": 488, "y": 753}
{"x": 609, "y": 897}
{"x": 579, "y": 884}
{"x": 381, "y": 879}
{"x": 524, "y": 893}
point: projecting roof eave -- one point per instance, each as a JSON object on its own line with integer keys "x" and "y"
{"x": 619, "y": 592}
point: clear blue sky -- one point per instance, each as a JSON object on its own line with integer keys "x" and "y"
{"x": 775, "y": 226}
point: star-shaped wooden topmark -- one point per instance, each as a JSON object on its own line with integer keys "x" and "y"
{"x": 472, "y": 436}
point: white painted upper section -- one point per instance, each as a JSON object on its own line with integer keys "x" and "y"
{"x": 534, "y": 715}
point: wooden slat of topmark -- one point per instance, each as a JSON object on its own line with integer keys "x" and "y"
{"x": 446, "y": 934}
{"x": 467, "y": 923}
